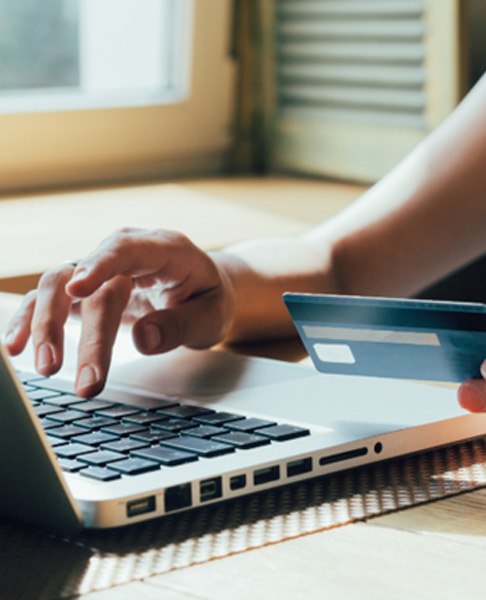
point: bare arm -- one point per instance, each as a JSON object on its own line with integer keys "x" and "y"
{"x": 427, "y": 217}
{"x": 422, "y": 221}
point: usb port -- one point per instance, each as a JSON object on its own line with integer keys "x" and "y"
{"x": 210, "y": 489}
{"x": 178, "y": 497}
{"x": 266, "y": 475}
{"x": 299, "y": 467}
{"x": 140, "y": 506}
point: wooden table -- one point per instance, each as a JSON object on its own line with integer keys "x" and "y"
{"x": 42, "y": 230}
{"x": 433, "y": 551}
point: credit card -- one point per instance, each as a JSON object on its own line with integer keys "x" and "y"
{"x": 389, "y": 337}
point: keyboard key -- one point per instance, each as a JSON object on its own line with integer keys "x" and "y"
{"x": 70, "y": 465}
{"x": 28, "y": 388}
{"x": 143, "y": 418}
{"x": 95, "y": 422}
{"x": 100, "y": 473}
{"x": 185, "y": 411}
{"x": 54, "y": 441}
{"x": 135, "y": 466}
{"x": 125, "y": 445}
{"x": 118, "y": 410}
{"x": 205, "y": 431}
{"x": 124, "y": 429}
{"x": 95, "y": 438}
{"x": 101, "y": 458}
{"x": 250, "y": 424}
{"x": 72, "y": 450}
{"x": 62, "y": 400}
{"x": 38, "y": 394}
{"x": 142, "y": 402}
{"x": 217, "y": 418}
{"x": 242, "y": 440}
{"x": 166, "y": 456}
{"x": 47, "y": 423}
{"x": 42, "y": 410}
{"x": 206, "y": 448}
{"x": 174, "y": 425}
{"x": 66, "y": 431}
{"x": 152, "y": 436}
{"x": 28, "y": 376}
{"x": 65, "y": 416}
{"x": 282, "y": 433}
{"x": 92, "y": 405}
{"x": 58, "y": 385}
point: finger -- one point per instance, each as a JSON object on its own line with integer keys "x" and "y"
{"x": 18, "y": 330}
{"x": 168, "y": 257}
{"x": 472, "y": 395}
{"x": 51, "y": 311}
{"x": 197, "y": 323}
{"x": 101, "y": 316}
{"x": 134, "y": 252}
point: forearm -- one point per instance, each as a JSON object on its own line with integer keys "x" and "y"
{"x": 260, "y": 271}
{"x": 425, "y": 219}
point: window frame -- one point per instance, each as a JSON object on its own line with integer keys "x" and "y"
{"x": 95, "y": 145}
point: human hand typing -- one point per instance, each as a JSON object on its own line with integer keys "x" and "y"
{"x": 168, "y": 289}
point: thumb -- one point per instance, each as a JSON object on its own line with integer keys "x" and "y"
{"x": 197, "y": 323}
{"x": 472, "y": 395}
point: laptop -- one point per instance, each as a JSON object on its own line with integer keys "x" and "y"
{"x": 189, "y": 428}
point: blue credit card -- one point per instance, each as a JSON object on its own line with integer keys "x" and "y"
{"x": 387, "y": 337}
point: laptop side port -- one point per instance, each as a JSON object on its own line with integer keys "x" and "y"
{"x": 261, "y": 476}
{"x": 140, "y": 506}
{"x": 299, "y": 467}
{"x": 333, "y": 458}
{"x": 237, "y": 482}
{"x": 210, "y": 489}
{"x": 178, "y": 497}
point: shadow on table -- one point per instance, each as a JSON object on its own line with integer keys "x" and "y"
{"x": 37, "y": 566}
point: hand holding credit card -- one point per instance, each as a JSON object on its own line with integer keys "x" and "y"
{"x": 388, "y": 337}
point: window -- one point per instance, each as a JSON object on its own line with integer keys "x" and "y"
{"x": 100, "y": 90}
{"x": 360, "y": 82}
{"x": 64, "y": 54}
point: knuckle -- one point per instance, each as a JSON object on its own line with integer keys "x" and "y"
{"x": 53, "y": 277}
{"x": 45, "y": 327}
{"x": 179, "y": 329}
{"x": 119, "y": 237}
{"x": 172, "y": 238}
{"x": 108, "y": 295}
{"x": 123, "y": 233}
{"x": 95, "y": 347}
{"x": 29, "y": 298}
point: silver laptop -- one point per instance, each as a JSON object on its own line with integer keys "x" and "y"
{"x": 175, "y": 432}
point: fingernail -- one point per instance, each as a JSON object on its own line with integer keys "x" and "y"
{"x": 151, "y": 337}
{"x": 87, "y": 377}
{"x": 79, "y": 274}
{"x": 483, "y": 369}
{"x": 45, "y": 357}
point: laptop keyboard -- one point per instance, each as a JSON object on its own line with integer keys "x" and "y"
{"x": 105, "y": 439}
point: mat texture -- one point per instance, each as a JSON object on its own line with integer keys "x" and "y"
{"x": 37, "y": 566}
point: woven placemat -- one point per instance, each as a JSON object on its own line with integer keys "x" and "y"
{"x": 37, "y": 566}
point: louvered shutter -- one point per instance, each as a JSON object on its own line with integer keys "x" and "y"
{"x": 360, "y": 82}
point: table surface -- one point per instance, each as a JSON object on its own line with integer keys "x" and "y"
{"x": 437, "y": 550}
